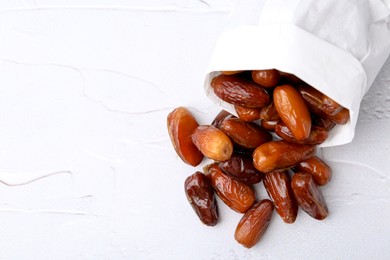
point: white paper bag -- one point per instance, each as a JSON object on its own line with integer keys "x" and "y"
{"x": 337, "y": 46}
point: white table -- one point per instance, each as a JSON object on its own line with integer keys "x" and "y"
{"x": 87, "y": 167}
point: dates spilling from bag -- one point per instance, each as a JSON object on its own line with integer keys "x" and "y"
{"x": 280, "y": 121}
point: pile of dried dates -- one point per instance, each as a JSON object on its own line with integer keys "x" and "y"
{"x": 280, "y": 121}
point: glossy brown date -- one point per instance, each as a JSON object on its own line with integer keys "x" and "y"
{"x": 212, "y": 142}
{"x": 293, "y": 111}
{"x": 200, "y": 195}
{"x": 269, "y": 113}
{"x": 247, "y": 114}
{"x": 319, "y": 101}
{"x": 181, "y": 124}
{"x": 268, "y": 125}
{"x": 277, "y": 155}
{"x": 238, "y": 91}
{"x": 266, "y": 78}
{"x": 231, "y": 72}
{"x": 254, "y": 223}
{"x": 321, "y": 172}
{"x": 245, "y": 134}
{"x": 278, "y": 187}
{"x": 222, "y": 115}
{"x": 240, "y": 167}
{"x": 318, "y": 134}
{"x": 236, "y": 195}
{"x": 323, "y": 122}
{"x": 308, "y": 196}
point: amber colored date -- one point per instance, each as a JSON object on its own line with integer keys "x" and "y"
{"x": 321, "y": 172}
{"x": 237, "y": 195}
{"x": 269, "y": 125}
{"x": 212, "y": 142}
{"x": 200, "y": 195}
{"x": 181, "y": 124}
{"x": 247, "y": 114}
{"x": 292, "y": 110}
{"x": 231, "y": 72}
{"x": 222, "y": 115}
{"x": 254, "y": 223}
{"x": 266, "y": 78}
{"x": 277, "y": 155}
{"x": 323, "y": 122}
{"x": 269, "y": 113}
{"x": 278, "y": 187}
{"x": 308, "y": 196}
{"x": 238, "y": 91}
{"x": 245, "y": 134}
{"x": 341, "y": 118}
{"x": 319, "y": 101}
{"x": 240, "y": 167}
{"x": 318, "y": 134}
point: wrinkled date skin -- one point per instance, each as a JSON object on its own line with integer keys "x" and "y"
{"x": 247, "y": 114}
{"x": 308, "y": 196}
{"x": 237, "y": 195}
{"x": 181, "y": 125}
{"x": 254, "y": 223}
{"x": 278, "y": 155}
{"x": 321, "y": 172}
{"x": 238, "y": 91}
{"x": 266, "y": 78}
{"x": 222, "y": 115}
{"x": 293, "y": 111}
{"x": 318, "y": 134}
{"x": 212, "y": 142}
{"x": 278, "y": 186}
{"x": 319, "y": 101}
{"x": 200, "y": 195}
{"x": 324, "y": 106}
{"x": 245, "y": 134}
{"x": 240, "y": 167}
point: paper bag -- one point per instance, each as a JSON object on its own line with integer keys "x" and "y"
{"x": 336, "y": 46}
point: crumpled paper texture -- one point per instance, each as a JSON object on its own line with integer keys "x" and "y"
{"x": 337, "y": 47}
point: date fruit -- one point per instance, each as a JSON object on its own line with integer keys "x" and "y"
{"x": 318, "y": 134}
{"x": 247, "y": 114}
{"x": 245, "y": 134}
{"x": 236, "y": 195}
{"x": 269, "y": 125}
{"x": 278, "y": 155}
{"x": 240, "y": 167}
{"x": 266, "y": 78}
{"x": 254, "y": 223}
{"x": 269, "y": 113}
{"x": 238, "y": 91}
{"x": 320, "y": 171}
{"x": 293, "y": 111}
{"x": 278, "y": 187}
{"x": 308, "y": 196}
{"x": 200, "y": 195}
{"x": 181, "y": 125}
{"x": 212, "y": 142}
{"x": 222, "y": 115}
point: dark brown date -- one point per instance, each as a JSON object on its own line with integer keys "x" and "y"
{"x": 254, "y": 223}
{"x": 278, "y": 187}
{"x": 247, "y": 114}
{"x": 317, "y": 135}
{"x": 240, "y": 167}
{"x": 308, "y": 196}
{"x": 323, "y": 122}
{"x": 237, "y": 195}
{"x": 245, "y": 134}
{"x": 222, "y": 115}
{"x": 266, "y": 78}
{"x": 200, "y": 195}
{"x": 238, "y": 91}
{"x": 322, "y": 173}
{"x": 277, "y": 155}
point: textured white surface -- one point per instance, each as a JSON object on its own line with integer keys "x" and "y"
{"x": 87, "y": 170}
